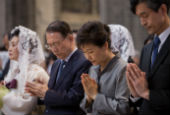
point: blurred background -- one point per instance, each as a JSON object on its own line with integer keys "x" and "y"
{"x": 37, "y": 14}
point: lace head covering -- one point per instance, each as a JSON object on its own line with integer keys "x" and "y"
{"x": 30, "y": 52}
{"x": 121, "y": 40}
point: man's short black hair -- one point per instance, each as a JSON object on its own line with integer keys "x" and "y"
{"x": 59, "y": 26}
{"x": 152, "y": 4}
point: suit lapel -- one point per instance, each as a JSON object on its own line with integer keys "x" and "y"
{"x": 63, "y": 74}
{"x": 67, "y": 69}
{"x": 54, "y": 75}
{"x": 148, "y": 57}
{"x": 161, "y": 56}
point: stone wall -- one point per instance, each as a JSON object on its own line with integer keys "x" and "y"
{"x": 2, "y": 19}
{"x": 37, "y": 14}
{"x": 118, "y": 12}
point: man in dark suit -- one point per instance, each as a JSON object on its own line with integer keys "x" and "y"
{"x": 64, "y": 92}
{"x": 152, "y": 81}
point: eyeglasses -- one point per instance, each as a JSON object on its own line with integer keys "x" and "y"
{"x": 54, "y": 44}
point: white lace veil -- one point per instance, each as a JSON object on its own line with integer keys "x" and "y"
{"x": 121, "y": 40}
{"x": 30, "y": 51}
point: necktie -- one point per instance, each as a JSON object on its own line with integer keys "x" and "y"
{"x": 156, "y": 43}
{"x": 61, "y": 67}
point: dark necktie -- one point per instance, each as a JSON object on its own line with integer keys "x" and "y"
{"x": 156, "y": 43}
{"x": 61, "y": 67}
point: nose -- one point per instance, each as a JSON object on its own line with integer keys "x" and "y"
{"x": 54, "y": 49}
{"x": 143, "y": 22}
{"x": 9, "y": 49}
{"x": 88, "y": 57}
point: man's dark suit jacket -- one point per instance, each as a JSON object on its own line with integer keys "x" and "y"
{"x": 64, "y": 96}
{"x": 158, "y": 80}
{"x": 5, "y": 70}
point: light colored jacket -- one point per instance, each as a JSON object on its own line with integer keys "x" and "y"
{"x": 17, "y": 103}
{"x": 112, "y": 98}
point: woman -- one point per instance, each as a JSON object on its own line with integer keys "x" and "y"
{"x": 122, "y": 41}
{"x": 106, "y": 91}
{"x": 26, "y": 55}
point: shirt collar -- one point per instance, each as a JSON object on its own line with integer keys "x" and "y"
{"x": 69, "y": 56}
{"x": 164, "y": 35}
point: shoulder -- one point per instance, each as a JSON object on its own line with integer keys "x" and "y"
{"x": 37, "y": 72}
{"x": 147, "y": 46}
{"x": 120, "y": 64}
{"x": 56, "y": 63}
{"x": 119, "y": 70}
{"x": 35, "y": 67}
{"x": 78, "y": 55}
{"x": 78, "y": 58}
{"x": 119, "y": 67}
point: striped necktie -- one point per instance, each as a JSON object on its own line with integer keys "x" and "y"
{"x": 61, "y": 67}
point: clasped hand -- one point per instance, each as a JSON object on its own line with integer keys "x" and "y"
{"x": 136, "y": 80}
{"x": 90, "y": 86}
{"x": 36, "y": 88}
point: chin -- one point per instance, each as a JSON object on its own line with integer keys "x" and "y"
{"x": 11, "y": 58}
{"x": 150, "y": 32}
{"x": 94, "y": 63}
{"x": 61, "y": 57}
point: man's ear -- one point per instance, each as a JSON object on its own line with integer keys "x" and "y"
{"x": 163, "y": 9}
{"x": 70, "y": 37}
{"x": 106, "y": 45}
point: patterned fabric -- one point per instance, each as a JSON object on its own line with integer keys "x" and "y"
{"x": 27, "y": 68}
{"x": 62, "y": 65}
{"x": 121, "y": 40}
{"x": 30, "y": 51}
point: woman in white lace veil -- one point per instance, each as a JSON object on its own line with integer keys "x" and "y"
{"x": 27, "y": 67}
{"x": 121, "y": 40}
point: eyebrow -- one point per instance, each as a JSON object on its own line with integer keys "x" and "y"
{"x": 87, "y": 50}
{"x": 14, "y": 42}
{"x": 142, "y": 13}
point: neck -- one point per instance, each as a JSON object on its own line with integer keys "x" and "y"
{"x": 109, "y": 55}
{"x": 73, "y": 48}
{"x": 164, "y": 26}
{"x": 70, "y": 51}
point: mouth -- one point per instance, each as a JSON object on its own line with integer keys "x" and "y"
{"x": 56, "y": 54}
{"x": 92, "y": 61}
{"x": 59, "y": 55}
{"x": 10, "y": 54}
{"x": 148, "y": 28}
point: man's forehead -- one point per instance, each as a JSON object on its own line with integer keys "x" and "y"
{"x": 52, "y": 33}
{"x": 142, "y": 9}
